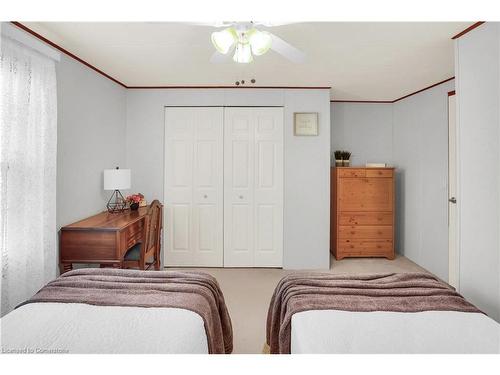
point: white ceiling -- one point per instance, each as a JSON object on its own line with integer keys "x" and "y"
{"x": 360, "y": 61}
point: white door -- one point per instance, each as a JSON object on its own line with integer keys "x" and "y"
{"x": 193, "y": 187}
{"x": 453, "y": 271}
{"x": 253, "y": 187}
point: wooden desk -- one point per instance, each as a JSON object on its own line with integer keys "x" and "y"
{"x": 103, "y": 238}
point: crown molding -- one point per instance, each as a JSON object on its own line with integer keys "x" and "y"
{"x": 362, "y": 101}
{"x": 395, "y": 100}
{"x": 72, "y": 55}
{"x": 470, "y": 28}
{"x": 425, "y": 88}
{"x": 65, "y": 51}
{"x": 231, "y": 87}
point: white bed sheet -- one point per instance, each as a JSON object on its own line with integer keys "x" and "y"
{"x": 333, "y": 331}
{"x": 81, "y": 328}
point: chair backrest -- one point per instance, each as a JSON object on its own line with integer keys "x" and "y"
{"x": 152, "y": 226}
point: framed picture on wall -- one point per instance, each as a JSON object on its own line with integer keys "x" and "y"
{"x": 305, "y": 123}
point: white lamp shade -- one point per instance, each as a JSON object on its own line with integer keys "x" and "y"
{"x": 260, "y": 41}
{"x": 116, "y": 179}
{"x": 224, "y": 40}
{"x": 243, "y": 53}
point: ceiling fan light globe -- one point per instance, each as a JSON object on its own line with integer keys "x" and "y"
{"x": 243, "y": 53}
{"x": 224, "y": 40}
{"x": 260, "y": 41}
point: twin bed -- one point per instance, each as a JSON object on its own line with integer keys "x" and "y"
{"x": 383, "y": 313}
{"x": 128, "y": 311}
{"x": 122, "y": 311}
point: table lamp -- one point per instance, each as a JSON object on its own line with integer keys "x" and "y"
{"x": 116, "y": 179}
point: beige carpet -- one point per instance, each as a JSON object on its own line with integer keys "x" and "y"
{"x": 248, "y": 291}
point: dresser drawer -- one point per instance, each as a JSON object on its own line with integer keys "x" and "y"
{"x": 365, "y": 232}
{"x": 365, "y": 218}
{"x": 351, "y": 172}
{"x": 365, "y": 246}
{"x": 365, "y": 194}
{"x": 379, "y": 172}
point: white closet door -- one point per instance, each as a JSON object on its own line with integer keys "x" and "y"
{"x": 253, "y": 187}
{"x": 238, "y": 187}
{"x": 268, "y": 185}
{"x": 193, "y": 223}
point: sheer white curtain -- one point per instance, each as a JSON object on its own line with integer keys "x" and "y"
{"x": 28, "y": 140}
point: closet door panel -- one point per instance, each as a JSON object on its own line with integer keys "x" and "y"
{"x": 208, "y": 188}
{"x": 268, "y": 187}
{"x": 178, "y": 188}
{"x": 181, "y": 218}
{"x": 238, "y": 187}
{"x": 253, "y": 187}
{"x": 239, "y": 226}
{"x": 193, "y": 181}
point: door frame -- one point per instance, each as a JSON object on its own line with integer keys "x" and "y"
{"x": 453, "y": 182}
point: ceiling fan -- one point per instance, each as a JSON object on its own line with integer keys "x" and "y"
{"x": 247, "y": 41}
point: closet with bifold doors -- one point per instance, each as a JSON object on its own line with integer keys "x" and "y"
{"x": 223, "y": 187}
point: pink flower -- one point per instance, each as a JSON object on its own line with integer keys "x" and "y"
{"x": 134, "y": 198}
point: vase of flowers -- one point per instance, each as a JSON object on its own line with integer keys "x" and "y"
{"x": 134, "y": 200}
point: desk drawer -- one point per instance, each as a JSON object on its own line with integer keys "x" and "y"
{"x": 87, "y": 246}
{"x": 133, "y": 233}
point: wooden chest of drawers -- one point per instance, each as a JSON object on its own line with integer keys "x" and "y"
{"x": 362, "y": 212}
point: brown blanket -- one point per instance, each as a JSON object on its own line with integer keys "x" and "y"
{"x": 410, "y": 292}
{"x": 194, "y": 291}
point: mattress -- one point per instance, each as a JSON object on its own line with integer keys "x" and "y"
{"x": 333, "y": 331}
{"x": 81, "y": 328}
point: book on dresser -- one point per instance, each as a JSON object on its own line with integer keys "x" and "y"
{"x": 362, "y": 212}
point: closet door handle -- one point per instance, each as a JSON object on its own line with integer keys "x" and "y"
{"x": 241, "y": 197}
{"x": 205, "y": 196}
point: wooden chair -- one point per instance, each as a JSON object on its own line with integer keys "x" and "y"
{"x": 138, "y": 255}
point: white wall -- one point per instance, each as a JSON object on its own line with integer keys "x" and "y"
{"x": 307, "y": 184}
{"x": 412, "y": 135}
{"x": 365, "y": 129}
{"x": 306, "y": 175}
{"x": 420, "y": 144}
{"x": 478, "y": 102}
{"x": 90, "y": 137}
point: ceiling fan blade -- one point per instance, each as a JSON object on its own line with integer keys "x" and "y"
{"x": 219, "y": 58}
{"x": 287, "y": 50}
{"x": 216, "y": 24}
{"x": 273, "y": 24}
